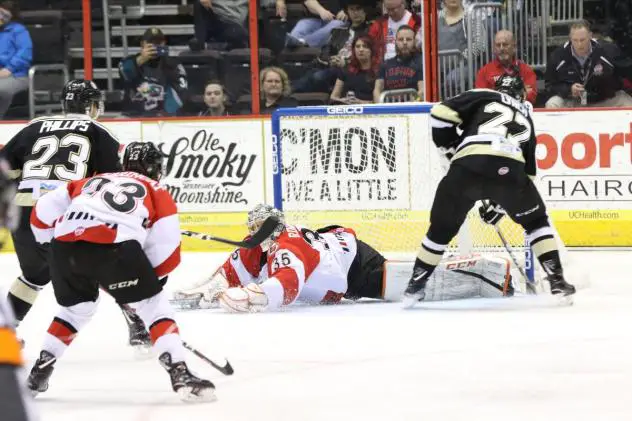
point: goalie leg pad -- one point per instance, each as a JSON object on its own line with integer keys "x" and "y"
{"x": 457, "y": 277}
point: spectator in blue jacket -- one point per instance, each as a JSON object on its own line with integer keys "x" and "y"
{"x": 16, "y": 54}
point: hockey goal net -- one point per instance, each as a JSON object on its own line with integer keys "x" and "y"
{"x": 375, "y": 169}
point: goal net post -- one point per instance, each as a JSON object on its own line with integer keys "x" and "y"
{"x": 375, "y": 169}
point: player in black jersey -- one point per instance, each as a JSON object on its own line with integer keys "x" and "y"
{"x": 49, "y": 152}
{"x": 492, "y": 159}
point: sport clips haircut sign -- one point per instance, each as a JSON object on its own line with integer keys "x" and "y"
{"x": 335, "y": 164}
{"x": 213, "y": 167}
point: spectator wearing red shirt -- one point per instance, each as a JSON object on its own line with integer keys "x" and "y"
{"x": 507, "y": 63}
{"x": 383, "y": 29}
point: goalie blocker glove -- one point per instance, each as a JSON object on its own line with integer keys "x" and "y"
{"x": 490, "y": 212}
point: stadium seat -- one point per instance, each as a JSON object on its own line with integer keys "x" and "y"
{"x": 236, "y": 69}
{"x": 201, "y": 66}
{"x": 296, "y": 62}
{"x": 311, "y": 98}
{"x": 50, "y": 53}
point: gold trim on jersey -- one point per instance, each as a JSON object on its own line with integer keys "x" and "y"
{"x": 446, "y": 113}
{"x": 23, "y": 291}
{"x": 478, "y": 149}
{"x": 544, "y": 246}
{"x": 14, "y": 174}
{"x": 429, "y": 257}
{"x": 24, "y": 199}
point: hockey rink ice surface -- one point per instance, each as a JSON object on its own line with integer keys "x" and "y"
{"x": 476, "y": 359}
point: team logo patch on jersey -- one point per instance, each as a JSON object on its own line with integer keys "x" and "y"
{"x": 503, "y": 170}
{"x": 598, "y": 69}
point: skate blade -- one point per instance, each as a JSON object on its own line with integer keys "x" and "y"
{"x": 564, "y": 300}
{"x": 143, "y": 352}
{"x": 205, "y": 395}
{"x": 410, "y": 300}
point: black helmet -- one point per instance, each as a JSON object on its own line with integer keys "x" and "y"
{"x": 511, "y": 85}
{"x": 9, "y": 215}
{"x": 79, "y": 95}
{"x": 143, "y": 158}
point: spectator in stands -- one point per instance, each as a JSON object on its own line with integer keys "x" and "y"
{"x": 586, "y": 72}
{"x": 384, "y": 28}
{"x": 356, "y": 82}
{"x": 215, "y": 99}
{"x": 405, "y": 70}
{"x": 314, "y": 31}
{"x": 155, "y": 84}
{"x": 452, "y": 29}
{"x": 220, "y": 21}
{"x": 275, "y": 90}
{"x": 16, "y": 54}
{"x": 281, "y": 8}
{"x": 335, "y": 55}
{"x": 505, "y": 62}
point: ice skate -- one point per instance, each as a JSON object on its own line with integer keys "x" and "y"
{"x": 561, "y": 289}
{"x": 415, "y": 291}
{"x": 41, "y": 372}
{"x": 139, "y": 338}
{"x": 189, "y": 387}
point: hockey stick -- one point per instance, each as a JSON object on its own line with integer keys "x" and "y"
{"x": 268, "y": 227}
{"x": 225, "y": 369}
{"x": 528, "y": 284}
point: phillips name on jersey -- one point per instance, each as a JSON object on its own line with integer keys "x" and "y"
{"x": 53, "y": 150}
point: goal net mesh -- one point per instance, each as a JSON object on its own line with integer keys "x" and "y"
{"x": 375, "y": 173}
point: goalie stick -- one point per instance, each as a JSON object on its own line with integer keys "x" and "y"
{"x": 529, "y": 285}
{"x": 267, "y": 228}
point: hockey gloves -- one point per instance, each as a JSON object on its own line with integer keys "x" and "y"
{"x": 490, "y": 212}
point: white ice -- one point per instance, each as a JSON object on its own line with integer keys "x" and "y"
{"x": 469, "y": 360}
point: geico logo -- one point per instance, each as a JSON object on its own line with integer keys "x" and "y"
{"x": 580, "y": 150}
{"x": 345, "y": 109}
{"x": 124, "y": 284}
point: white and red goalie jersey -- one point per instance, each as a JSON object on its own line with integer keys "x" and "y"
{"x": 301, "y": 265}
{"x": 112, "y": 208}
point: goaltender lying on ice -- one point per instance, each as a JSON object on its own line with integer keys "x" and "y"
{"x": 296, "y": 264}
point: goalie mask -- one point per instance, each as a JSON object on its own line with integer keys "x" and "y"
{"x": 258, "y": 215}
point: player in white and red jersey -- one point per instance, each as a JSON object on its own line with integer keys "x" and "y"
{"x": 322, "y": 267}
{"x": 119, "y": 232}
